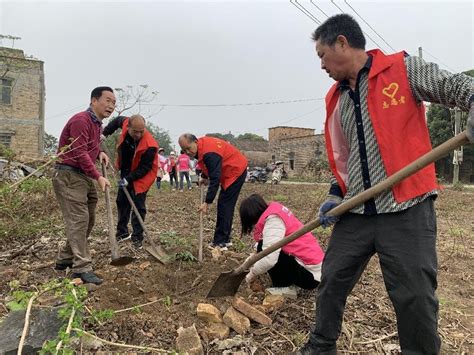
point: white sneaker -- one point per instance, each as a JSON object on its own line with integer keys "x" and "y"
{"x": 229, "y": 244}
{"x": 289, "y": 292}
{"x": 221, "y": 247}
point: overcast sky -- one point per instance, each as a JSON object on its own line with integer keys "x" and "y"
{"x": 216, "y": 52}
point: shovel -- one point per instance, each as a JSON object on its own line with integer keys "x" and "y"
{"x": 228, "y": 283}
{"x": 155, "y": 250}
{"x": 117, "y": 260}
{"x": 201, "y": 187}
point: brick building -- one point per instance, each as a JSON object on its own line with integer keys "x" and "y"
{"x": 22, "y": 96}
{"x": 256, "y": 152}
{"x": 300, "y": 149}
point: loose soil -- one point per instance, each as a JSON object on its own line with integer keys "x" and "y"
{"x": 369, "y": 321}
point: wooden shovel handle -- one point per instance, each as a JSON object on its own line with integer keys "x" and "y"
{"x": 348, "y": 205}
{"x": 110, "y": 218}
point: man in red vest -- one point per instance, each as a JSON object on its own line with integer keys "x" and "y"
{"x": 222, "y": 164}
{"x": 138, "y": 164}
{"x": 376, "y": 125}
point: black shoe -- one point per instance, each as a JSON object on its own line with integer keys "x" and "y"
{"x": 88, "y": 277}
{"x": 138, "y": 244}
{"x": 309, "y": 349}
{"x": 62, "y": 266}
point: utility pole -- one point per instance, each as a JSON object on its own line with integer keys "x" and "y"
{"x": 457, "y": 159}
{"x": 420, "y": 52}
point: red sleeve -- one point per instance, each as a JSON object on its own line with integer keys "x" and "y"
{"x": 80, "y": 153}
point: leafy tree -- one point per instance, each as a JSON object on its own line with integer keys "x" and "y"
{"x": 251, "y": 136}
{"x": 161, "y": 135}
{"x": 229, "y": 137}
{"x": 50, "y": 143}
{"x": 440, "y": 124}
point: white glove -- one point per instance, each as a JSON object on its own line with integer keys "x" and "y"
{"x": 250, "y": 277}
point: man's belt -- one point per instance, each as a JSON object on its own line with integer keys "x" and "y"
{"x": 68, "y": 167}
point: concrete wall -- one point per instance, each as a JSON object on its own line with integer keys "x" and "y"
{"x": 24, "y": 117}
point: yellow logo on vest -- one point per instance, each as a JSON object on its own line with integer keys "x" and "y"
{"x": 391, "y": 91}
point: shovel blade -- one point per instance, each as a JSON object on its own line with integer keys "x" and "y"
{"x": 226, "y": 284}
{"x": 158, "y": 253}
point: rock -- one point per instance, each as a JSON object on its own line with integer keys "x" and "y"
{"x": 44, "y": 325}
{"x": 217, "y": 331}
{"x": 144, "y": 265}
{"x": 289, "y": 292}
{"x": 251, "y": 312}
{"x": 216, "y": 253}
{"x": 208, "y": 313}
{"x": 188, "y": 341}
{"x": 91, "y": 287}
{"x": 256, "y": 285}
{"x": 273, "y": 302}
{"x": 236, "y": 320}
{"x": 89, "y": 343}
{"x": 152, "y": 299}
{"x": 236, "y": 341}
{"x": 77, "y": 281}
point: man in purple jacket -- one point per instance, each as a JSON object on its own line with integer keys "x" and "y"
{"x": 74, "y": 185}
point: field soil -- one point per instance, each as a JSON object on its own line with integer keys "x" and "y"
{"x": 154, "y": 300}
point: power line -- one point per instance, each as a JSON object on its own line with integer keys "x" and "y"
{"x": 237, "y": 104}
{"x": 63, "y": 113}
{"x": 368, "y": 36}
{"x": 373, "y": 29}
{"x": 439, "y": 61}
{"x": 321, "y": 10}
{"x": 306, "y": 12}
{"x": 292, "y": 119}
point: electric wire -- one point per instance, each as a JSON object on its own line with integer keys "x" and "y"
{"x": 368, "y": 24}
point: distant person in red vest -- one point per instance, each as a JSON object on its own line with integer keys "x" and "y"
{"x": 297, "y": 263}
{"x": 184, "y": 165}
{"x": 376, "y": 125}
{"x": 138, "y": 164}
{"x": 161, "y": 167}
{"x": 172, "y": 169}
{"x": 222, "y": 164}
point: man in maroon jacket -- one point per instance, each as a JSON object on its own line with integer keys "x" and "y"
{"x": 74, "y": 185}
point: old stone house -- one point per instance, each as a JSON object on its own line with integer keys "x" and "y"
{"x": 300, "y": 149}
{"x": 256, "y": 152}
{"x": 22, "y": 96}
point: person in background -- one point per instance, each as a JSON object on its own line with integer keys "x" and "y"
{"x": 172, "y": 170}
{"x": 74, "y": 182}
{"x": 161, "y": 167}
{"x": 138, "y": 165}
{"x": 297, "y": 263}
{"x": 184, "y": 164}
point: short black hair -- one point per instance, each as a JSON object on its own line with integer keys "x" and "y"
{"x": 97, "y": 92}
{"x": 341, "y": 24}
{"x": 250, "y": 210}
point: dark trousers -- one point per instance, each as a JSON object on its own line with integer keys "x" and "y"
{"x": 288, "y": 272}
{"x": 158, "y": 182}
{"x": 406, "y": 245}
{"x": 182, "y": 175}
{"x": 125, "y": 210}
{"x": 225, "y": 210}
{"x": 173, "y": 176}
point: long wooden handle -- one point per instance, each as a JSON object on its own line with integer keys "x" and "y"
{"x": 139, "y": 217}
{"x": 110, "y": 218}
{"x": 420, "y": 163}
{"x": 201, "y": 187}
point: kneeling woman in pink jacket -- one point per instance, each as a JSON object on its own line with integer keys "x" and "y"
{"x": 297, "y": 263}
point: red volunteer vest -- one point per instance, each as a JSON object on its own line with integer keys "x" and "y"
{"x": 306, "y": 248}
{"x": 233, "y": 161}
{"x": 147, "y": 141}
{"x": 399, "y": 125}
